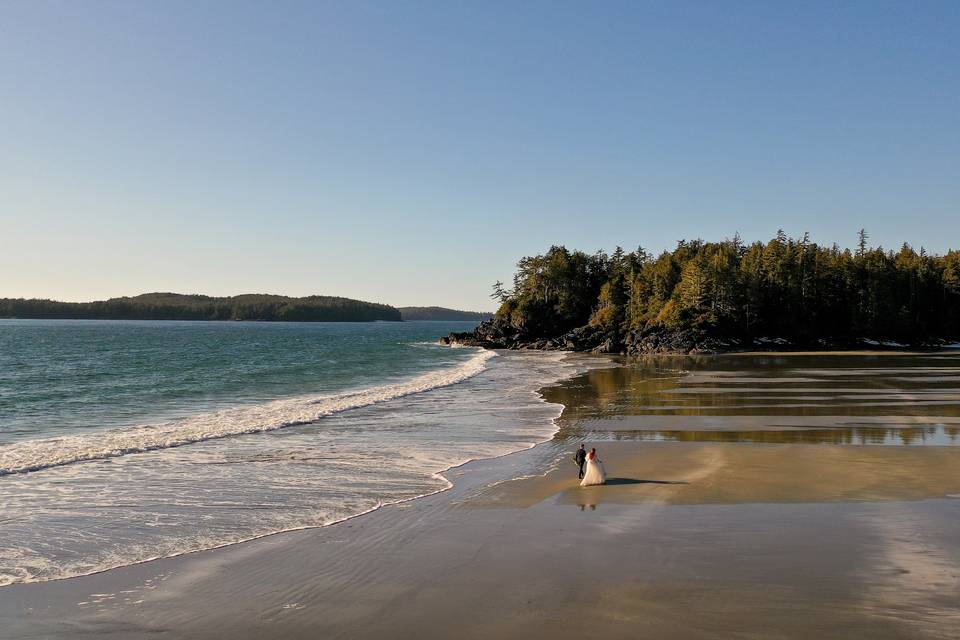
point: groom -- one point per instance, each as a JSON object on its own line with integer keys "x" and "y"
{"x": 580, "y": 458}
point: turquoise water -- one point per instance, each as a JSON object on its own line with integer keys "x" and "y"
{"x": 63, "y": 377}
{"x": 126, "y": 441}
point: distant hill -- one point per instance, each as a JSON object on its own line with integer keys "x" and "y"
{"x": 175, "y": 306}
{"x": 441, "y": 313}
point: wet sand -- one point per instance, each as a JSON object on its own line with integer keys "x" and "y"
{"x": 693, "y": 539}
{"x": 713, "y": 473}
{"x": 762, "y": 541}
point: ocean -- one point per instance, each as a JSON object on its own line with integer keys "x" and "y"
{"x": 125, "y": 441}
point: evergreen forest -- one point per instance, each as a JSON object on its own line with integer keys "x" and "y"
{"x": 729, "y": 293}
{"x": 174, "y": 306}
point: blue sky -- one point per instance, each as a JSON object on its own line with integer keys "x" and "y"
{"x": 411, "y": 152}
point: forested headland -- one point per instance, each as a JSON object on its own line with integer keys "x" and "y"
{"x": 174, "y": 306}
{"x": 442, "y": 313}
{"x": 718, "y": 296}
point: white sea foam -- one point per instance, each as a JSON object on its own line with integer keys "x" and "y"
{"x": 75, "y": 520}
{"x": 34, "y": 455}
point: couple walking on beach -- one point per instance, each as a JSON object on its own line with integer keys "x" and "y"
{"x": 591, "y": 467}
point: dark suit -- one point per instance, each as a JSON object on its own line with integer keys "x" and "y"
{"x": 581, "y": 459}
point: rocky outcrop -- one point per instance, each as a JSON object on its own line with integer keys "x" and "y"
{"x": 498, "y": 333}
{"x": 495, "y": 333}
{"x": 685, "y": 341}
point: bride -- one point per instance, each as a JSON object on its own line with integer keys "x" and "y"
{"x": 595, "y": 472}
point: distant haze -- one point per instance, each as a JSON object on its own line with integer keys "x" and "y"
{"x": 441, "y": 313}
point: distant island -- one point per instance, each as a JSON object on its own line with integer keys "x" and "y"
{"x": 442, "y": 313}
{"x": 720, "y": 296}
{"x": 175, "y": 306}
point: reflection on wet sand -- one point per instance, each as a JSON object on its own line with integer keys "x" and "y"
{"x": 770, "y": 533}
{"x": 748, "y": 512}
{"x": 733, "y": 473}
{"x": 902, "y": 399}
{"x": 937, "y": 435}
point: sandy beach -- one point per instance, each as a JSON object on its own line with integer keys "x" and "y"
{"x": 705, "y": 556}
{"x": 709, "y": 473}
{"x": 698, "y": 539}
{"x": 309, "y": 307}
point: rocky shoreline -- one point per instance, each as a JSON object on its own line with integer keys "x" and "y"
{"x": 498, "y": 333}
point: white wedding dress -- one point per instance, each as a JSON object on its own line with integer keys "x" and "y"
{"x": 595, "y": 473}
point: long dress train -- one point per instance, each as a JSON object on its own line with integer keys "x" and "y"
{"x": 595, "y": 474}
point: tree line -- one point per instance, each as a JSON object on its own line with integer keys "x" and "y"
{"x": 787, "y": 289}
{"x": 173, "y": 306}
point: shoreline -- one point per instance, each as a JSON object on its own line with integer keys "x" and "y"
{"x": 301, "y": 410}
{"x": 689, "y": 540}
{"x": 657, "y": 472}
{"x": 599, "y": 334}
{"x": 499, "y": 333}
{"x": 947, "y": 347}
{"x": 477, "y": 473}
{"x": 443, "y": 564}
{"x": 437, "y": 475}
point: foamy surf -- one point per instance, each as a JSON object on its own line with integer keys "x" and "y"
{"x": 75, "y": 520}
{"x": 35, "y": 455}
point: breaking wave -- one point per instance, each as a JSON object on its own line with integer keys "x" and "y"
{"x": 34, "y": 455}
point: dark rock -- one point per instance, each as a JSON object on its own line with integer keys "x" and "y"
{"x": 495, "y": 333}
{"x": 586, "y": 338}
{"x": 499, "y": 333}
{"x": 664, "y": 340}
{"x": 607, "y": 346}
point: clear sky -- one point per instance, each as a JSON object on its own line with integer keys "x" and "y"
{"x": 410, "y": 152}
